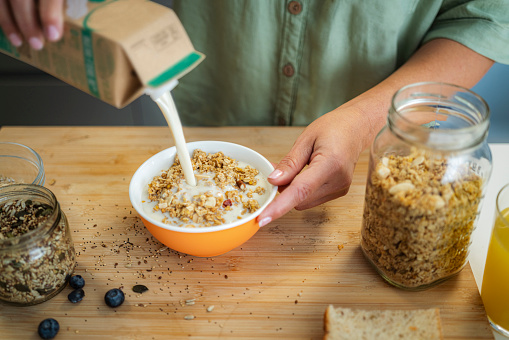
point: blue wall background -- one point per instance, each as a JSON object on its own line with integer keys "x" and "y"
{"x": 494, "y": 88}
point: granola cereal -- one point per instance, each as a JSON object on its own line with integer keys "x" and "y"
{"x": 418, "y": 218}
{"x": 226, "y": 190}
{"x": 36, "y": 251}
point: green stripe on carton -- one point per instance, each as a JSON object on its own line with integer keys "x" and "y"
{"x": 176, "y": 69}
{"x": 88, "y": 52}
{"x": 6, "y": 45}
{"x": 88, "y": 56}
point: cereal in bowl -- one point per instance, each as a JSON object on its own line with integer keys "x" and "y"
{"x": 226, "y": 190}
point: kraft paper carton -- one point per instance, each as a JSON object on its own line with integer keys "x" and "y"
{"x": 114, "y": 49}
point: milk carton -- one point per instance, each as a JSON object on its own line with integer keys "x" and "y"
{"x": 114, "y": 49}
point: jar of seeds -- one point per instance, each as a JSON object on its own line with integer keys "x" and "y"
{"x": 427, "y": 172}
{"x": 37, "y": 254}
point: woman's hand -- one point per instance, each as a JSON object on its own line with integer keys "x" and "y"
{"x": 330, "y": 147}
{"x": 32, "y": 21}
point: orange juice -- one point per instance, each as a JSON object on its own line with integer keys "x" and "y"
{"x": 495, "y": 284}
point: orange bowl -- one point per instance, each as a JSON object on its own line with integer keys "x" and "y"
{"x": 207, "y": 241}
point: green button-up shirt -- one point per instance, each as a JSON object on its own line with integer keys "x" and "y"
{"x": 274, "y": 62}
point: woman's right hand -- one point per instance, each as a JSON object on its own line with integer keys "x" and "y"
{"x": 32, "y": 21}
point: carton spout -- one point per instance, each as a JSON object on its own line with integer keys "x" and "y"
{"x": 156, "y": 92}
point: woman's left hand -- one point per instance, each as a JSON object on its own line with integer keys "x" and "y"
{"x": 330, "y": 147}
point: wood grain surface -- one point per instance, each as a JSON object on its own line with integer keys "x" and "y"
{"x": 277, "y": 285}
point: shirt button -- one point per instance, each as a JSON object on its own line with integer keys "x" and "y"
{"x": 294, "y": 7}
{"x": 288, "y": 70}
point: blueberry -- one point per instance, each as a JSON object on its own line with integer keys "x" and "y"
{"x": 76, "y": 295}
{"x": 48, "y": 328}
{"x": 114, "y": 297}
{"x": 77, "y": 281}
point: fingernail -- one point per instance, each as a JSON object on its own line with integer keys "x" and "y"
{"x": 36, "y": 43}
{"x": 15, "y": 39}
{"x": 264, "y": 221}
{"x": 275, "y": 174}
{"x": 52, "y": 33}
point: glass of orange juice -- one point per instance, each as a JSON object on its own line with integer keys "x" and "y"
{"x": 495, "y": 284}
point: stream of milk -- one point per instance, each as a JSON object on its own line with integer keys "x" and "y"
{"x": 189, "y": 189}
{"x": 170, "y": 113}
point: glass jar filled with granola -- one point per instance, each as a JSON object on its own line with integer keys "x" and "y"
{"x": 37, "y": 254}
{"x": 427, "y": 172}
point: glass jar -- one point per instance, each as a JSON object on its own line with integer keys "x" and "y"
{"x": 37, "y": 254}
{"x": 20, "y": 164}
{"x": 428, "y": 169}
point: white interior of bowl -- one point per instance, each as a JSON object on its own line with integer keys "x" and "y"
{"x": 164, "y": 159}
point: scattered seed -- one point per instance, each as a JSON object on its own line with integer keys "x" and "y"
{"x": 140, "y": 289}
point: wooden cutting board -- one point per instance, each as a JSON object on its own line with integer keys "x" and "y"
{"x": 277, "y": 285}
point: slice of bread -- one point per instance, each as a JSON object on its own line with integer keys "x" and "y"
{"x": 344, "y": 323}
